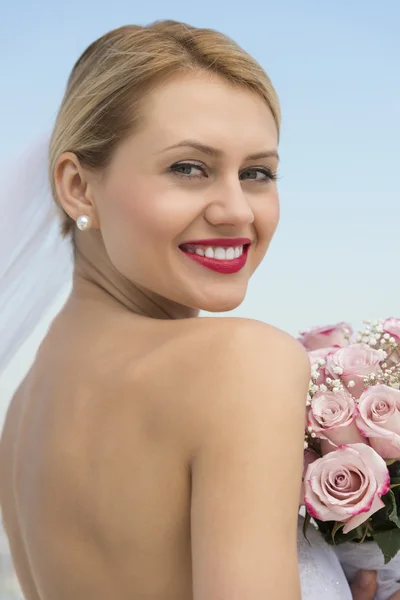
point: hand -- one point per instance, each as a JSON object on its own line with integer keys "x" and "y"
{"x": 364, "y": 586}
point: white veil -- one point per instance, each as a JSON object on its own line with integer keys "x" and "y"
{"x": 36, "y": 262}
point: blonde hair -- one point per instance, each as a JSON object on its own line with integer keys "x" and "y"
{"x": 108, "y": 82}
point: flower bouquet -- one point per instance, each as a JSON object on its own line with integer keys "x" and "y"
{"x": 351, "y": 482}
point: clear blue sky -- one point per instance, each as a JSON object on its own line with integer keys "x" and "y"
{"x": 336, "y": 67}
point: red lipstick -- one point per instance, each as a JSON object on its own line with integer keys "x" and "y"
{"x": 226, "y": 267}
{"x": 221, "y": 242}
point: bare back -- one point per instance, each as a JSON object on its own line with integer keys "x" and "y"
{"x": 81, "y": 524}
{"x": 136, "y": 460}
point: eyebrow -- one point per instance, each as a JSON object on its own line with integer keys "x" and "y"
{"x": 217, "y": 153}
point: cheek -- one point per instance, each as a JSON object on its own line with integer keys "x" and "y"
{"x": 276, "y": 213}
{"x": 128, "y": 214}
{"x": 266, "y": 214}
{"x": 147, "y": 213}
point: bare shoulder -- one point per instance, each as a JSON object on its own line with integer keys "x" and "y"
{"x": 243, "y": 346}
{"x": 217, "y": 329}
{"x": 225, "y": 366}
{"x": 265, "y": 332}
{"x": 209, "y": 373}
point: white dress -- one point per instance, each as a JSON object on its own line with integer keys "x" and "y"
{"x": 321, "y": 575}
{"x": 320, "y": 572}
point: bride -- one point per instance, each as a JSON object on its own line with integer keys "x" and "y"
{"x": 150, "y": 453}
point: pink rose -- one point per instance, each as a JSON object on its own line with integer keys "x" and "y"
{"x": 392, "y": 327}
{"x": 326, "y": 335}
{"x": 353, "y": 363}
{"x": 379, "y": 419}
{"x": 332, "y": 418}
{"x": 346, "y": 485}
{"x": 320, "y": 354}
{"x": 309, "y": 457}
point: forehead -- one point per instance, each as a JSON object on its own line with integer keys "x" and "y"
{"x": 207, "y": 108}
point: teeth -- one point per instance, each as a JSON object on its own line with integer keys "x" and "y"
{"x": 218, "y": 253}
{"x": 209, "y": 253}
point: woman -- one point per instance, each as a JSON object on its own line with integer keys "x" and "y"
{"x": 149, "y": 453}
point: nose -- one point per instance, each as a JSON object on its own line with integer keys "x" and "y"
{"x": 229, "y": 206}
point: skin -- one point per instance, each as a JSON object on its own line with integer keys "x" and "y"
{"x": 136, "y": 459}
{"x": 365, "y": 587}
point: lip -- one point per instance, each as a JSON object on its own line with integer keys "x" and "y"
{"x": 225, "y": 267}
{"x": 221, "y": 242}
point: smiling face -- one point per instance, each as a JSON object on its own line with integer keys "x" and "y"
{"x": 189, "y": 203}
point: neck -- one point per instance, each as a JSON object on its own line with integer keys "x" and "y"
{"x": 96, "y": 275}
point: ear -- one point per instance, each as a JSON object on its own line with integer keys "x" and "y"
{"x": 73, "y": 188}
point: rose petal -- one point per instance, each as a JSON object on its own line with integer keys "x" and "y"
{"x": 392, "y": 327}
{"x": 386, "y": 449}
{"x": 357, "y": 520}
{"x": 342, "y": 435}
{"x": 326, "y": 335}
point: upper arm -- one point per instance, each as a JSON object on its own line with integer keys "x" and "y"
{"x": 246, "y": 471}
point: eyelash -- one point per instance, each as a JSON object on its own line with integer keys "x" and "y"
{"x": 270, "y": 175}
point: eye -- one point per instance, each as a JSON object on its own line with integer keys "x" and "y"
{"x": 188, "y": 170}
{"x": 258, "y": 174}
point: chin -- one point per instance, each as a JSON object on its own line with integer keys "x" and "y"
{"x": 221, "y": 303}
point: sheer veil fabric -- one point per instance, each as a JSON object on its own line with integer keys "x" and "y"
{"x": 36, "y": 262}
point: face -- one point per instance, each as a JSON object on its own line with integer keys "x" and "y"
{"x": 189, "y": 204}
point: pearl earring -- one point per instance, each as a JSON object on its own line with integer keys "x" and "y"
{"x": 84, "y": 222}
